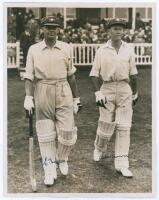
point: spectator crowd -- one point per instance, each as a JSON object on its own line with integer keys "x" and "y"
{"x": 73, "y": 33}
{"x": 99, "y": 34}
{"x": 25, "y": 27}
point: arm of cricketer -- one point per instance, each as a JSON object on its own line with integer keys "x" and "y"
{"x": 77, "y": 106}
{"x": 133, "y": 85}
{"x": 29, "y": 77}
{"x": 28, "y": 102}
{"x": 100, "y": 98}
{"x": 133, "y": 77}
{"x": 95, "y": 77}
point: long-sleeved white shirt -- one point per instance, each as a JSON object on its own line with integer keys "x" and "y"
{"x": 113, "y": 66}
{"x": 49, "y": 64}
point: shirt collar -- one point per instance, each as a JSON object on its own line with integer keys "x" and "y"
{"x": 109, "y": 44}
{"x": 43, "y": 45}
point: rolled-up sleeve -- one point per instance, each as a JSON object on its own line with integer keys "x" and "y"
{"x": 95, "y": 71}
{"x": 29, "y": 74}
{"x": 133, "y": 69}
{"x": 71, "y": 68}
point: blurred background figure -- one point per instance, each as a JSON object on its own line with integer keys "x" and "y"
{"x": 139, "y": 23}
{"x": 25, "y": 42}
{"x": 33, "y": 27}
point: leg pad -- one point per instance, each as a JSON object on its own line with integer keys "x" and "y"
{"x": 104, "y": 132}
{"x": 46, "y": 137}
{"x": 66, "y": 141}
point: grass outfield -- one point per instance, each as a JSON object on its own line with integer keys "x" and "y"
{"x": 85, "y": 176}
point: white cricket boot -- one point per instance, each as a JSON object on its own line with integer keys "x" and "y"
{"x": 97, "y": 155}
{"x": 63, "y": 167}
{"x": 50, "y": 174}
{"x": 49, "y": 180}
{"x": 126, "y": 172}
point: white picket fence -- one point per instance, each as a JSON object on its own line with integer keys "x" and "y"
{"x": 143, "y": 53}
{"x": 83, "y": 54}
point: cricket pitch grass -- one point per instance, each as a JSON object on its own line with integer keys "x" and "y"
{"x": 85, "y": 176}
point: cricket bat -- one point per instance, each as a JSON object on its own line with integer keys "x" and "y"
{"x": 31, "y": 155}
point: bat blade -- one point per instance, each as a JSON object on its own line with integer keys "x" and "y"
{"x": 31, "y": 165}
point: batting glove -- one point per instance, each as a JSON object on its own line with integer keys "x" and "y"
{"x": 135, "y": 99}
{"x": 77, "y": 106}
{"x": 29, "y": 104}
{"x": 100, "y": 99}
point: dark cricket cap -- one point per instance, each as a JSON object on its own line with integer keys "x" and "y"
{"x": 117, "y": 21}
{"x": 50, "y": 21}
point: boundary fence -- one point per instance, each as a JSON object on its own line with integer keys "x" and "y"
{"x": 83, "y": 54}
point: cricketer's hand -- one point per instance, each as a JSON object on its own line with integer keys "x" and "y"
{"x": 77, "y": 106}
{"x": 135, "y": 98}
{"x": 100, "y": 99}
{"x": 29, "y": 104}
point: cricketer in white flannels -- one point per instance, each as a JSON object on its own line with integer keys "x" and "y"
{"x": 115, "y": 63}
{"x": 49, "y": 66}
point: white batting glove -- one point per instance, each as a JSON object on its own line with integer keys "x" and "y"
{"x": 100, "y": 99}
{"x": 29, "y": 104}
{"x": 135, "y": 98}
{"x": 76, "y": 105}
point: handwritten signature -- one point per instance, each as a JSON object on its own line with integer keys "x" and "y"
{"x": 48, "y": 161}
{"x": 113, "y": 156}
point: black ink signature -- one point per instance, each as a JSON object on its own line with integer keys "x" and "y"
{"x": 48, "y": 161}
{"x": 113, "y": 156}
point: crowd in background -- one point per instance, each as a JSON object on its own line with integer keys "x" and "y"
{"x": 18, "y": 21}
{"x": 25, "y": 27}
{"x": 99, "y": 34}
{"x": 75, "y": 32}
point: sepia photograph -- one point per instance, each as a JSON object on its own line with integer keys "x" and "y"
{"x": 80, "y": 82}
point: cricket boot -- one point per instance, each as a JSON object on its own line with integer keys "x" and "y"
{"x": 126, "y": 172}
{"x": 63, "y": 166}
{"x": 50, "y": 175}
{"x": 97, "y": 155}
